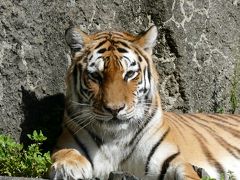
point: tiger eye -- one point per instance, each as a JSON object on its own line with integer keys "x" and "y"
{"x": 129, "y": 74}
{"x": 95, "y": 76}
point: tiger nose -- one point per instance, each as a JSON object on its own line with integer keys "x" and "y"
{"x": 114, "y": 109}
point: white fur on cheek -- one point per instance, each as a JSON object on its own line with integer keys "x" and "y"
{"x": 100, "y": 64}
{"x": 139, "y": 112}
{"x": 127, "y": 62}
{"x": 96, "y": 64}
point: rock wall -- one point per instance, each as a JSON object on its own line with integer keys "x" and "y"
{"x": 197, "y": 54}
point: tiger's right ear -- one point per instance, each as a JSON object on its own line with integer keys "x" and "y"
{"x": 147, "y": 40}
{"x": 76, "y": 39}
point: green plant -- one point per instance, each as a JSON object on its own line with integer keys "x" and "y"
{"x": 29, "y": 162}
{"x": 234, "y": 91}
{"x": 230, "y": 176}
{"x": 220, "y": 110}
{"x": 207, "y": 178}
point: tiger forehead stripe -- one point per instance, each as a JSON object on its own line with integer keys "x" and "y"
{"x": 123, "y": 43}
{"x": 100, "y": 44}
{"x": 100, "y": 35}
{"x": 110, "y": 35}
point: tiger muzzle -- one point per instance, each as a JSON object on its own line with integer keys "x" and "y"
{"x": 114, "y": 109}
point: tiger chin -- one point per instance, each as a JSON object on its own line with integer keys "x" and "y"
{"x": 114, "y": 120}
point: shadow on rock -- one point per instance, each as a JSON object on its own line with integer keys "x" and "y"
{"x": 42, "y": 114}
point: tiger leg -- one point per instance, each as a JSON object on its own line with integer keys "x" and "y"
{"x": 70, "y": 164}
{"x": 180, "y": 170}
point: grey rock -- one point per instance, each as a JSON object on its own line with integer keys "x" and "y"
{"x": 19, "y": 178}
{"x": 116, "y": 175}
{"x": 122, "y": 176}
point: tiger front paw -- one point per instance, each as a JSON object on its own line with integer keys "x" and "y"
{"x": 182, "y": 171}
{"x": 70, "y": 164}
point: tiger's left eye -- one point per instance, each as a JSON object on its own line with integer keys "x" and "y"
{"x": 130, "y": 75}
{"x": 95, "y": 76}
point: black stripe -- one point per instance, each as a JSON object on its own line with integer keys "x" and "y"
{"x": 122, "y": 50}
{"x": 124, "y": 44}
{"x": 92, "y": 64}
{"x": 139, "y": 67}
{"x": 75, "y": 73}
{"x": 154, "y": 148}
{"x": 149, "y": 75}
{"x": 137, "y": 137}
{"x": 74, "y": 50}
{"x": 81, "y": 145}
{"x": 118, "y": 33}
{"x": 127, "y": 59}
{"x": 231, "y": 130}
{"x": 83, "y": 91}
{"x": 99, "y": 142}
{"x": 76, "y": 79}
{"x": 133, "y": 63}
{"x": 147, "y": 61}
{"x": 219, "y": 119}
{"x": 103, "y": 35}
{"x": 144, "y": 73}
{"x": 100, "y": 51}
{"x": 165, "y": 165}
{"x": 139, "y": 58}
{"x": 176, "y": 124}
{"x": 210, "y": 157}
{"x": 144, "y": 125}
{"x": 90, "y": 58}
{"x": 234, "y": 117}
{"x": 182, "y": 120}
{"x": 100, "y": 44}
{"x": 218, "y": 138}
{"x": 143, "y": 55}
{"x": 202, "y": 140}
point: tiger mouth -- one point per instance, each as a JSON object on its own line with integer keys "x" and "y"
{"x": 116, "y": 120}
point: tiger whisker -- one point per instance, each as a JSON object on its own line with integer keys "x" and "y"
{"x": 82, "y": 127}
{"x": 82, "y": 115}
{"x": 84, "y": 119}
{"x": 82, "y": 104}
{"x": 79, "y": 113}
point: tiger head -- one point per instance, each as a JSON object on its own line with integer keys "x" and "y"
{"x": 112, "y": 77}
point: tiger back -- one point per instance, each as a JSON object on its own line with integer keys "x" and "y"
{"x": 114, "y": 120}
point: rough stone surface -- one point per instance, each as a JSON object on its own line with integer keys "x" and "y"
{"x": 122, "y": 176}
{"x": 18, "y": 178}
{"x": 197, "y": 54}
{"x": 112, "y": 176}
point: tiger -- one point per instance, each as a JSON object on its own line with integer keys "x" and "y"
{"x": 113, "y": 119}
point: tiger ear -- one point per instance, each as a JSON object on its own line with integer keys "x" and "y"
{"x": 76, "y": 39}
{"x": 147, "y": 40}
